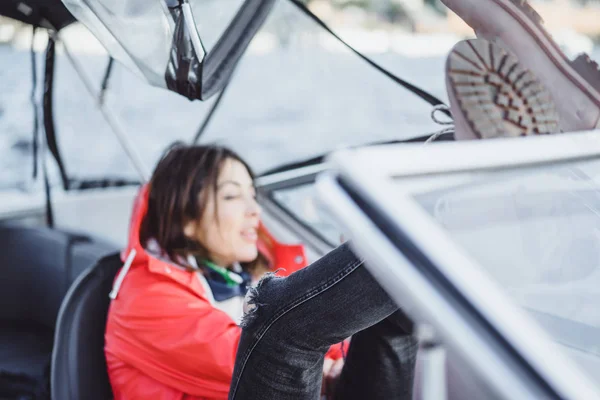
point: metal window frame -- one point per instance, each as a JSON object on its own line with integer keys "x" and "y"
{"x": 414, "y": 259}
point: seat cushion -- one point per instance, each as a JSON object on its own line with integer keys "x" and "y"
{"x": 25, "y": 353}
{"x": 38, "y": 265}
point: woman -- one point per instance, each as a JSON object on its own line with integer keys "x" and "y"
{"x": 172, "y": 329}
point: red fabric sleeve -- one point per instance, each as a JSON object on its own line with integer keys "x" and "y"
{"x": 338, "y": 350}
{"x": 181, "y": 341}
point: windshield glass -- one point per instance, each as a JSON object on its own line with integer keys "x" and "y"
{"x": 536, "y": 231}
{"x": 296, "y": 93}
{"x": 212, "y": 18}
{"x": 16, "y": 120}
{"x": 300, "y": 202}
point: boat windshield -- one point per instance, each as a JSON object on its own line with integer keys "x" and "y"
{"x": 536, "y": 231}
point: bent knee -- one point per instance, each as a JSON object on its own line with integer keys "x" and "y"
{"x": 257, "y": 300}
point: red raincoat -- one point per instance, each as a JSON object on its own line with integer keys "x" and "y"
{"x": 164, "y": 339}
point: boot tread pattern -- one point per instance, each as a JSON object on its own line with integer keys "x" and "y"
{"x": 497, "y": 95}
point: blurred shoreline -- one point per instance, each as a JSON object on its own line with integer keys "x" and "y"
{"x": 413, "y": 28}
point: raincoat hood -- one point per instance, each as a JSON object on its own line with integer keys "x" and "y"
{"x": 287, "y": 258}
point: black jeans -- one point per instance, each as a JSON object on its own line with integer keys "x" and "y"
{"x": 296, "y": 319}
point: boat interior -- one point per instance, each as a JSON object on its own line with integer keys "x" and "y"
{"x": 60, "y": 251}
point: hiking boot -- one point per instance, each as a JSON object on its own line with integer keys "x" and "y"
{"x": 515, "y": 25}
{"x": 492, "y": 95}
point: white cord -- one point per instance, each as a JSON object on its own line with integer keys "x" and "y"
{"x": 124, "y": 270}
{"x": 449, "y": 129}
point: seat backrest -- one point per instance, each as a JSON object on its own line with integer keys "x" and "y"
{"x": 78, "y": 364}
{"x": 32, "y": 262}
{"x": 85, "y": 255}
{"x": 38, "y": 264}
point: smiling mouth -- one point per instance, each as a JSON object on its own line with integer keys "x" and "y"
{"x": 250, "y": 234}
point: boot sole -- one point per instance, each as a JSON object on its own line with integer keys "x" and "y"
{"x": 492, "y": 95}
{"x": 515, "y": 25}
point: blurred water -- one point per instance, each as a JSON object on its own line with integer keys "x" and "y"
{"x": 282, "y": 106}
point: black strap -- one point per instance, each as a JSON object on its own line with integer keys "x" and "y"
{"x": 211, "y": 112}
{"x": 48, "y": 113}
{"x": 431, "y": 99}
{"x": 105, "y": 80}
{"x": 214, "y": 106}
{"x": 34, "y": 85}
{"x": 49, "y": 213}
{"x": 36, "y": 129}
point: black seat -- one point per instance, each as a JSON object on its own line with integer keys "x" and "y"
{"x": 37, "y": 265}
{"x": 78, "y": 363}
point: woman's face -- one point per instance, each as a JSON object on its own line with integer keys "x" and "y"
{"x": 228, "y": 228}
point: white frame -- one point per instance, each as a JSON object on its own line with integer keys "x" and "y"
{"x": 369, "y": 170}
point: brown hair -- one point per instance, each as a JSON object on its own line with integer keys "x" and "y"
{"x": 178, "y": 195}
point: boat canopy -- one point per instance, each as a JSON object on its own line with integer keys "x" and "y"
{"x": 162, "y": 40}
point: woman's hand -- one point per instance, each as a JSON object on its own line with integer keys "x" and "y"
{"x": 332, "y": 369}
